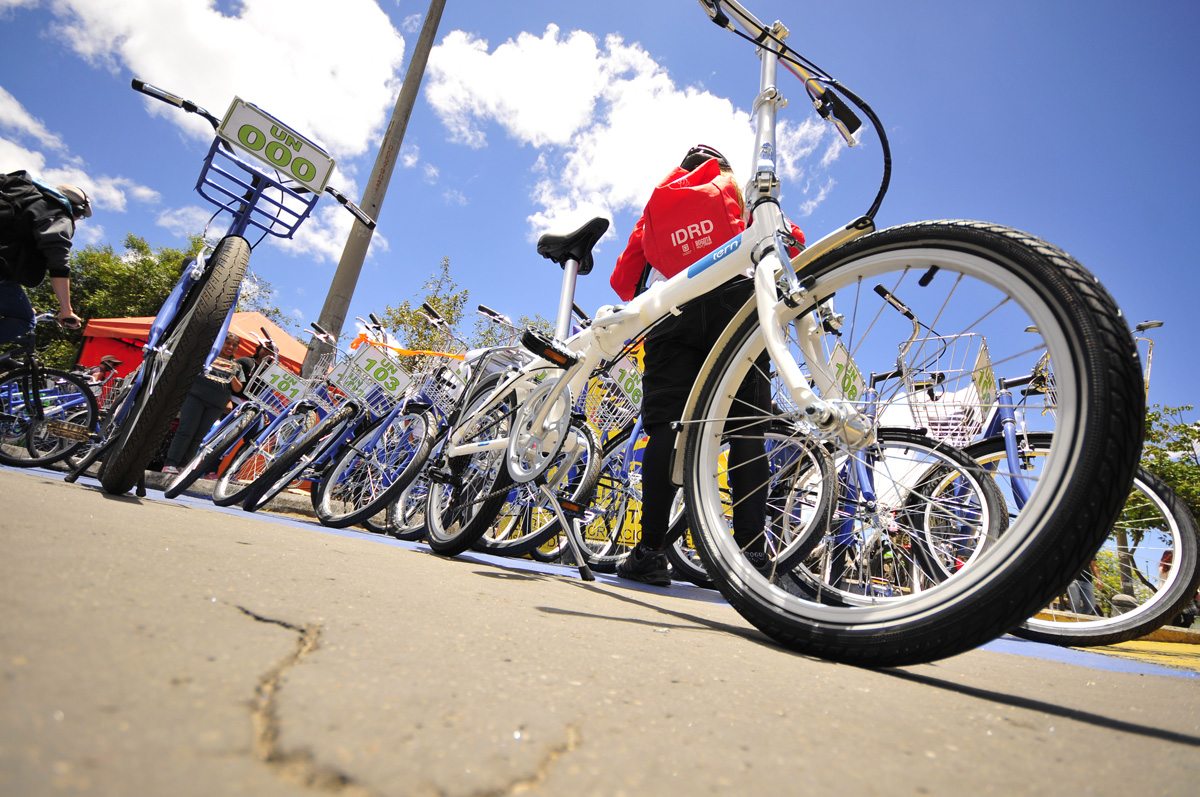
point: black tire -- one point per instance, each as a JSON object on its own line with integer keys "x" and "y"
{"x": 355, "y": 486}
{"x": 527, "y": 521}
{"x": 28, "y": 404}
{"x": 212, "y": 452}
{"x": 293, "y": 462}
{"x": 467, "y": 492}
{"x": 1089, "y": 611}
{"x": 189, "y": 341}
{"x": 256, "y": 456}
{"x": 1024, "y": 298}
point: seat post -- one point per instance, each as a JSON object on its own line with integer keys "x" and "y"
{"x": 566, "y": 300}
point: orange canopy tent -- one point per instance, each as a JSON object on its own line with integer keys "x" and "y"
{"x": 124, "y": 337}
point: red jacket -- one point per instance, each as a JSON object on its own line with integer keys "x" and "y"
{"x": 688, "y": 216}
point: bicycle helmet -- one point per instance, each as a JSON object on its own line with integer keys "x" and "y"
{"x": 81, "y": 206}
{"x": 701, "y": 153}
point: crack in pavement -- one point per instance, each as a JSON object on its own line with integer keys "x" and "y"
{"x": 295, "y": 767}
{"x": 526, "y": 784}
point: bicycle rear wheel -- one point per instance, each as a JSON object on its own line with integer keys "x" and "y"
{"x": 28, "y": 408}
{"x": 1026, "y": 299}
{"x": 1146, "y": 570}
{"x": 166, "y": 380}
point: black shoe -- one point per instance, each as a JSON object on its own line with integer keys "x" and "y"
{"x": 646, "y": 566}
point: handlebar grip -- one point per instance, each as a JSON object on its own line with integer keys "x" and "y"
{"x": 891, "y": 299}
{"x": 156, "y": 93}
{"x": 354, "y": 209}
{"x": 483, "y": 308}
{"x": 375, "y": 319}
{"x": 319, "y": 330}
{"x": 428, "y": 310}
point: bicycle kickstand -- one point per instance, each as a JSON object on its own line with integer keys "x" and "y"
{"x": 87, "y": 462}
{"x": 572, "y": 512}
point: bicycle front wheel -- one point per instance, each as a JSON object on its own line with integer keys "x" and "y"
{"x": 1146, "y": 570}
{"x": 31, "y": 407}
{"x": 918, "y": 289}
{"x": 466, "y": 494}
{"x": 367, "y": 475}
{"x": 527, "y": 521}
{"x": 171, "y": 371}
{"x": 292, "y": 463}
{"x": 252, "y": 461}
{"x": 213, "y": 450}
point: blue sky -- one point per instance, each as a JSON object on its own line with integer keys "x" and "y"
{"x": 1072, "y": 120}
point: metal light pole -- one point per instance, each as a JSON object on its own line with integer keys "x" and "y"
{"x": 341, "y": 289}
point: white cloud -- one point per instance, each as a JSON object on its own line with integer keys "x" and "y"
{"x": 184, "y": 221}
{"x": 15, "y": 118}
{"x": 282, "y": 64}
{"x": 282, "y": 59}
{"x": 411, "y": 23}
{"x": 454, "y": 197}
{"x": 106, "y": 193}
{"x": 607, "y": 122}
{"x": 431, "y": 173}
{"x": 410, "y": 155}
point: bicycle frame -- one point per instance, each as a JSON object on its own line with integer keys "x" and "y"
{"x": 755, "y": 249}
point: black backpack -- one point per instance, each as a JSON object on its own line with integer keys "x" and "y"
{"x": 22, "y": 206}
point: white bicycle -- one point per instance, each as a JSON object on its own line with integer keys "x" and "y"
{"x": 821, "y": 325}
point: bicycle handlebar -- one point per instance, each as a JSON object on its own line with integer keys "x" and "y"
{"x": 191, "y": 107}
{"x": 177, "y": 101}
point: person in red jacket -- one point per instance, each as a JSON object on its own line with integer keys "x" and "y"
{"x": 696, "y": 208}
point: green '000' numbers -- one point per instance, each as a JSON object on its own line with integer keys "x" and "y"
{"x": 277, "y": 148}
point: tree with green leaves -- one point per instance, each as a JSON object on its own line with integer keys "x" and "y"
{"x": 1172, "y": 452}
{"x": 105, "y": 284}
{"x": 406, "y": 322}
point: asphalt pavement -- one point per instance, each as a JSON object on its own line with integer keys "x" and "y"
{"x": 152, "y": 647}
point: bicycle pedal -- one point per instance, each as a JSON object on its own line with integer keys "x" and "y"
{"x": 69, "y": 431}
{"x": 571, "y": 509}
{"x": 547, "y": 348}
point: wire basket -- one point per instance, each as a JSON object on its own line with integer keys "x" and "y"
{"x": 276, "y": 388}
{"x": 614, "y": 398}
{"x": 373, "y": 378}
{"x": 950, "y": 386}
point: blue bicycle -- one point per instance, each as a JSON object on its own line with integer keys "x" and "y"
{"x": 186, "y": 335}
{"x": 46, "y": 415}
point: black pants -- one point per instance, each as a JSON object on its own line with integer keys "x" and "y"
{"x": 675, "y": 352}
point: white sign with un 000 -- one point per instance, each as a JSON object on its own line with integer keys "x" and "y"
{"x": 256, "y": 132}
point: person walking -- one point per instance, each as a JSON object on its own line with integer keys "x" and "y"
{"x": 37, "y": 225}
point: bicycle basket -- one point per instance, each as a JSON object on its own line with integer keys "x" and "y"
{"x": 613, "y": 399}
{"x": 240, "y": 188}
{"x": 950, "y": 386}
{"x": 372, "y": 377}
{"x": 275, "y": 387}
